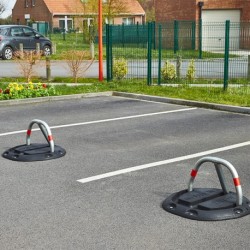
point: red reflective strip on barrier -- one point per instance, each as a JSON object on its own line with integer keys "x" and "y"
{"x": 50, "y": 138}
{"x": 236, "y": 181}
{"x": 28, "y": 132}
{"x": 193, "y": 172}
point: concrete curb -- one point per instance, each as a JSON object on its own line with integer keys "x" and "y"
{"x": 221, "y": 107}
{"x": 52, "y": 98}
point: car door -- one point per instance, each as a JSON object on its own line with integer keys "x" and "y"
{"x": 30, "y": 34}
{"x": 18, "y": 37}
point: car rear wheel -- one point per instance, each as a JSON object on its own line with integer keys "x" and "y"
{"x": 7, "y": 53}
{"x": 46, "y": 50}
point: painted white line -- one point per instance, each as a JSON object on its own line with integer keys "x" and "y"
{"x": 18, "y": 132}
{"x": 159, "y": 163}
{"x": 101, "y": 121}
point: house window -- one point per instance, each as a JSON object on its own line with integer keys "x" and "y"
{"x": 63, "y": 25}
{"x": 87, "y": 22}
{"x": 33, "y": 2}
{"x": 109, "y": 20}
{"x": 128, "y": 21}
{"x": 26, "y": 4}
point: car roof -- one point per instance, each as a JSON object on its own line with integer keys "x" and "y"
{"x": 13, "y": 25}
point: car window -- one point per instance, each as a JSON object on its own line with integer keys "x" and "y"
{"x": 3, "y": 31}
{"x": 17, "y": 31}
{"x": 28, "y": 32}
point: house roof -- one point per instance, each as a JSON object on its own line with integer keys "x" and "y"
{"x": 75, "y": 6}
{"x": 63, "y": 6}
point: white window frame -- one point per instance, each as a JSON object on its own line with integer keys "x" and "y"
{"x": 125, "y": 20}
{"x": 89, "y": 19}
{"x": 68, "y": 19}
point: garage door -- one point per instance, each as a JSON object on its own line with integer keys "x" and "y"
{"x": 213, "y": 29}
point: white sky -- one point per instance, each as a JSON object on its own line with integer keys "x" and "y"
{"x": 9, "y": 6}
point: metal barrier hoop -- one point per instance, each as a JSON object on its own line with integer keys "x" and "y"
{"x": 45, "y": 130}
{"x": 217, "y": 162}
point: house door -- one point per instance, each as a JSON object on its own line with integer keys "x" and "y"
{"x": 213, "y": 29}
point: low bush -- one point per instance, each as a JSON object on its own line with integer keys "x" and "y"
{"x": 20, "y": 91}
{"x": 120, "y": 68}
{"x": 168, "y": 71}
{"x": 190, "y": 75}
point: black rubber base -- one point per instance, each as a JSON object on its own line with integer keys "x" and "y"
{"x": 206, "y": 204}
{"x": 33, "y": 152}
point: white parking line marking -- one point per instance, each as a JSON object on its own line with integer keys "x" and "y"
{"x": 159, "y": 163}
{"x": 101, "y": 121}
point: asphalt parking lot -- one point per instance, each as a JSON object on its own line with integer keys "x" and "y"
{"x": 124, "y": 158}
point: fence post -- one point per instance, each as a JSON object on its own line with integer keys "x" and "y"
{"x": 50, "y": 31}
{"x": 193, "y": 35}
{"x": 53, "y": 48}
{"x": 153, "y": 33}
{"x": 64, "y": 34}
{"x": 178, "y": 67}
{"x": 107, "y": 53}
{"x": 159, "y": 52}
{"x": 200, "y": 39}
{"x": 38, "y": 51}
{"x": 149, "y": 75}
{"x": 137, "y": 34}
{"x": 48, "y": 69}
{"x": 123, "y": 30}
{"x": 111, "y": 50}
{"x": 176, "y": 36}
{"x": 46, "y": 28}
{"x": 21, "y": 50}
{"x": 226, "y": 55}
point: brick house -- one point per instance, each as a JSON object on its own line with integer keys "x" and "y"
{"x": 70, "y": 14}
{"x": 237, "y": 11}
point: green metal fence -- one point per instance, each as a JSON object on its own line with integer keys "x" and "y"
{"x": 219, "y": 51}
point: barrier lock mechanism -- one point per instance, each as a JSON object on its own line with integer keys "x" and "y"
{"x": 36, "y": 151}
{"x": 210, "y": 204}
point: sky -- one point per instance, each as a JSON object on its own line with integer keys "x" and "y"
{"x": 9, "y": 6}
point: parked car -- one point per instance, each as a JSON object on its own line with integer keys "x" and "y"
{"x": 11, "y": 36}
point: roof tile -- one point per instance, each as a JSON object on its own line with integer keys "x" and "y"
{"x": 75, "y": 6}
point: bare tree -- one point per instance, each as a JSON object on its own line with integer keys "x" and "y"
{"x": 149, "y": 7}
{"x": 26, "y": 61}
{"x": 114, "y": 7}
{"x": 111, "y": 8}
{"x": 2, "y": 6}
{"x": 78, "y": 62}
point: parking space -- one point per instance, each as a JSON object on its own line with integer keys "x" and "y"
{"x": 124, "y": 157}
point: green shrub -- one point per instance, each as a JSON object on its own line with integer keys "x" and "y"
{"x": 120, "y": 68}
{"x": 168, "y": 71}
{"x": 190, "y": 75}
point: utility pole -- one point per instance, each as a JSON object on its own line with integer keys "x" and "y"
{"x": 100, "y": 40}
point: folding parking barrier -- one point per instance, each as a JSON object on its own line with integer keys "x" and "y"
{"x": 210, "y": 204}
{"x": 36, "y": 151}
